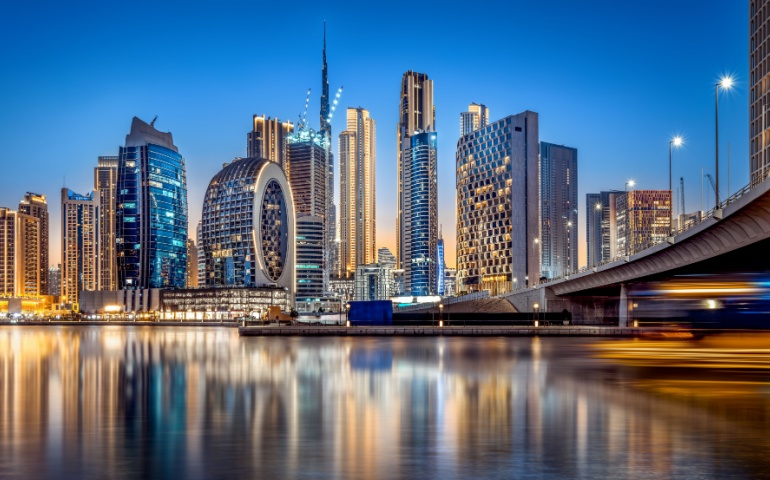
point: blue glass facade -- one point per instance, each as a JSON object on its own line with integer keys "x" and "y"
{"x": 440, "y": 267}
{"x": 151, "y": 217}
{"x": 421, "y": 215}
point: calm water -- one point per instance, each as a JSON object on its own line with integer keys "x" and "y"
{"x": 116, "y": 402}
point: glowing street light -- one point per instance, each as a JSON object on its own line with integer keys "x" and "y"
{"x": 630, "y": 183}
{"x": 725, "y": 83}
{"x": 677, "y": 142}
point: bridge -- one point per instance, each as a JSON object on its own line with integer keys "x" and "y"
{"x": 733, "y": 237}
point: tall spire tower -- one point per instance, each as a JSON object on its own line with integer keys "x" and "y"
{"x": 325, "y": 126}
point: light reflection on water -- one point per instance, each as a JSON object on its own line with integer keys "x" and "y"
{"x": 203, "y": 403}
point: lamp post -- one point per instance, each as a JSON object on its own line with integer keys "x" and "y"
{"x": 536, "y": 306}
{"x": 677, "y": 142}
{"x": 440, "y": 314}
{"x": 347, "y": 311}
{"x": 725, "y": 83}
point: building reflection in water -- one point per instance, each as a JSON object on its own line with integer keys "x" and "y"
{"x": 201, "y": 403}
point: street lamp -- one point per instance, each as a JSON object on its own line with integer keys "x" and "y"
{"x": 725, "y": 83}
{"x": 677, "y": 142}
{"x": 347, "y": 310}
{"x": 536, "y": 306}
{"x": 440, "y": 315}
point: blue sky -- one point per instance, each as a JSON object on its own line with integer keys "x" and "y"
{"x": 614, "y": 79}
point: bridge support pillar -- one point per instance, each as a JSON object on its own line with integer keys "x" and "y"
{"x": 624, "y": 307}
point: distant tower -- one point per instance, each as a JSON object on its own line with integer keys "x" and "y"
{"x": 79, "y": 244}
{"x": 416, "y": 114}
{"x": 105, "y": 182}
{"x": 558, "y": 210}
{"x": 357, "y": 192}
{"x": 325, "y": 106}
{"x": 440, "y": 266}
{"x": 267, "y": 139}
{"x": 475, "y": 118}
{"x": 34, "y": 205}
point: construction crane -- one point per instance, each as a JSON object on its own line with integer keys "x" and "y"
{"x": 681, "y": 194}
{"x": 302, "y": 123}
{"x": 713, "y": 185}
{"x": 334, "y": 105}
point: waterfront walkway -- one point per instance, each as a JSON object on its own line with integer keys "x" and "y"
{"x": 466, "y": 331}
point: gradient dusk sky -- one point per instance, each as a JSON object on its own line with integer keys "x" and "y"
{"x": 614, "y": 79}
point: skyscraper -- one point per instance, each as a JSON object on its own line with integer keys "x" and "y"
{"x": 416, "y": 114}
{"x": 192, "y": 264}
{"x": 558, "y": 210}
{"x": 54, "y": 280}
{"x": 759, "y": 67}
{"x": 498, "y": 194}
{"x": 79, "y": 244}
{"x": 643, "y": 219}
{"x": 247, "y": 227}
{"x": 440, "y": 264}
{"x": 34, "y": 205}
{"x": 476, "y": 117}
{"x": 331, "y": 259}
{"x": 9, "y": 253}
{"x": 420, "y": 215}
{"x": 357, "y": 192}
{"x": 307, "y": 154}
{"x": 601, "y": 226}
{"x": 267, "y": 139}
{"x": 105, "y": 182}
{"x": 151, "y": 211}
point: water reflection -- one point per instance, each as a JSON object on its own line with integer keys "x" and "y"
{"x": 204, "y": 403}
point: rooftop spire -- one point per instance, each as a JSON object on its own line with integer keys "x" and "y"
{"x": 325, "y": 127}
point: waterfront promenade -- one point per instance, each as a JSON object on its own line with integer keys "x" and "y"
{"x": 461, "y": 331}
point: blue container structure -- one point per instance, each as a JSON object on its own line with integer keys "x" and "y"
{"x": 374, "y": 313}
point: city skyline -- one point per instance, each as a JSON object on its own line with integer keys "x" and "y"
{"x": 634, "y": 95}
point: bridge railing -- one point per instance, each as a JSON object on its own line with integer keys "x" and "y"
{"x": 756, "y": 179}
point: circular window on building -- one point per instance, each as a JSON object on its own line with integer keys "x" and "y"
{"x": 274, "y": 230}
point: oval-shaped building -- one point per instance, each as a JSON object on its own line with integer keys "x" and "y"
{"x": 247, "y": 227}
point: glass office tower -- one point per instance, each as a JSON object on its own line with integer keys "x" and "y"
{"x": 420, "y": 215}
{"x": 151, "y": 211}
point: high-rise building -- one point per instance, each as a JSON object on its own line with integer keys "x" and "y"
{"x": 420, "y": 215}
{"x": 440, "y": 265}
{"x": 79, "y": 244}
{"x": 9, "y": 253}
{"x": 416, "y": 113}
{"x": 54, "y": 280}
{"x": 331, "y": 257}
{"x": 309, "y": 262}
{"x": 105, "y": 182}
{"x": 267, "y": 139}
{"x": 34, "y": 205}
{"x": 247, "y": 228}
{"x": 498, "y": 196}
{"x": 601, "y": 227}
{"x": 192, "y": 264}
{"x": 201, "y": 256}
{"x": 476, "y": 117}
{"x": 386, "y": 257}
{"x": 759, "y": 68}
{"x": 151, "y": 211}
{"x": 357, "y": 192}
{"x": 558, "y": 210}
{"x": 307, "y": 160}
{"x": 643, "y": 219}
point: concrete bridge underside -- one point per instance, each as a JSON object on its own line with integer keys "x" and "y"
{"x": 736, "y": 238}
